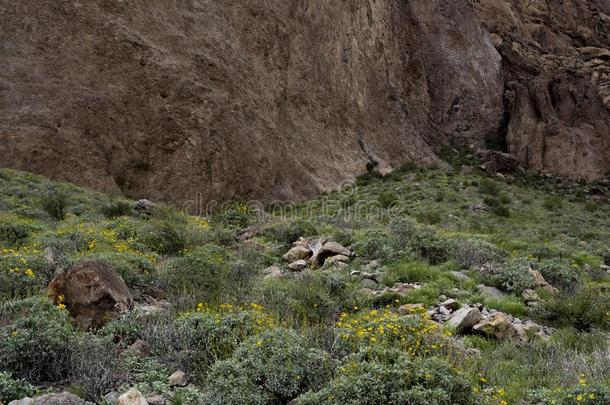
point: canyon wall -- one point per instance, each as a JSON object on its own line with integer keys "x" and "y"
{"x": 283, "y": 99}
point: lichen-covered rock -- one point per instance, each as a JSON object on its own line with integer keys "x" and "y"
{"x": 93, "y": 292}
{"x": 465, "y": 318}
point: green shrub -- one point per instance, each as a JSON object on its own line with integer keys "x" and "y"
{"x": 501, "y": 211}
{"x": 391, "y": 377}
{"x": 274, "y": 367}
{"x": 197, "y": 339}
{"x": 36, "y": 340}
{"x": 586, "y": 394}
{"x": 309, "y": 298}
{"x": 410, "y": 272}
{"x": 513, "y": 277}
{"x": 14, "y": 388}
{"x": 584, "y": 309}
{"x": 553, "y": 203}
{"x": 559, "y": 273}
{"x": 165, "y": 237}
{"x": 55, "y": 203}
{"x": 21, "y": 274}
{"x": 429, "y": 216}
{"x": 15, "y": 231}
{"x": 433, "y": 247}
{"x": 387, "y": 199}
{"x": 488, "y": 186}
{"x": 202, "y": 272}
{"x": 117, "y": 208}
{"x": 96, "y": 366}
{"x": 475, "y": 252}
{"x": 236, "y": 214}
{"x": 402, "y": 231}
{"x": 374, "y": 244}
{"x": 288, "y": 232}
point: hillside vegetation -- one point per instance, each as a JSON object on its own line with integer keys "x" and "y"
{"x": 224, "y": 307}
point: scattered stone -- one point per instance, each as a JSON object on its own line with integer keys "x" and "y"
{"x": 369, "y": 284}
{"x": 372, "y": 265}
{"x": 459, "y": 276}
{"x": 499, "y": 327}
{"x": 64, "y": 398}
{"x": 318, "y": 251}
{"x": 144, "y": 208}
{"x": 530, "y": 295}
{"x": 248, "y": 233}
{"x": 450, "y": 304}
{"x": 457, "y": 293}
{"x": 472, "y": 352}
{"x": 541, "y": 282}
{"x": 411, "y": 309}
{"x": 297, "y": 253}
{"x": 465, "y": 318}
{"x": 298, "y": 265}
{"x": 467, "y": 169}
{"x": 157, "y": 400}
{"x": 329, "y": 249}
{"x": 336, "y": 259}
{"x": 132, "y": 397}
{"x": 178, "y": 379}
{"x": 491, "y": 292}
{"x": 402, "y": 288}
{"x": 93, "y": 292}
{"x": 273, "y": 272}
{"x": 376, "y": 277}
{"x": 481, "y": 208}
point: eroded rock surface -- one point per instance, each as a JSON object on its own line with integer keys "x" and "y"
{"x": 282, "y": 99}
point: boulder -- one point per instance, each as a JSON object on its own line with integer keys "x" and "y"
{"x": 298, "y": 265}
{"x": 157, "y": 400}
{"x": 606, "y": 258}
{"x": 450, "y": 304}
{"x": 541, "y": 282}
{"x": 465, "y": 318}
{"x": 336, "y": 259}
{"x": 325, "y": 249}
{"x": 248, "y": 233}
{"x": 132, "y": 397}
{"x": 144, "y": 208}
{"x": 93, "y": 292}
{"x": 64, "y": 398}
{"x": 178, "y": 379}
{"x": 273, "y": 272}
{"x": 408, "y": 309}
{"x": 297, "y": 253}
{"x": 491, "y": 292}
{"x": 530, "y": 295}
{"x": 499, "y": 327}
{"x": 499, "y": 162}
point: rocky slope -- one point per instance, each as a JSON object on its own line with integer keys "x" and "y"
{"x": 282, "y": 99}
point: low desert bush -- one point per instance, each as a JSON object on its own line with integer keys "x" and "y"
{"x": 165, "y": 237}
{"x": 584, "y": 309}
{"x": 287, "y": 232}
{"x": 433, "y": 247}
{"x": 14, "y": 388}
{"x": 196, "y": 340}
{"x": 273, "y": 367}
{"x": 96, "y": 366}
{"x": 55, "y": 204}
{"x": 36, "y": 340}
{"x": 383, "y": 376}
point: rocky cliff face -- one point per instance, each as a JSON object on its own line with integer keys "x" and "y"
{"x": 281, "y": 99}
{"x": 556, "y": 64}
